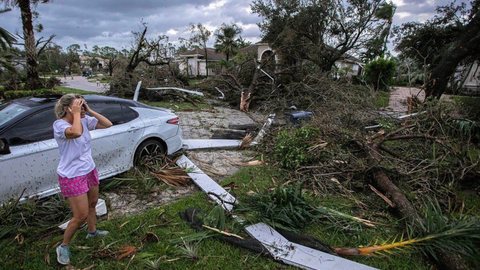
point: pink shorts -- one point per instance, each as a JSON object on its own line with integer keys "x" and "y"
{"x": 71, "y": 187}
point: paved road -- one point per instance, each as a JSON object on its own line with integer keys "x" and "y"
{"x": 398, "y": 98}
{"x": 80, "y": 82}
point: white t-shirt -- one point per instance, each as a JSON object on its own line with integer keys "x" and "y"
{"x": 75, "y": 154}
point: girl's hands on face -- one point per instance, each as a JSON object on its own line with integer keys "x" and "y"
{"x": 76, "y": 106}
{"x": 85, "y": 105}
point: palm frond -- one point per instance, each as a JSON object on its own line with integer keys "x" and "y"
{"x": 437, "y": 232}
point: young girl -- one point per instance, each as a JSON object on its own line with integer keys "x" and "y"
{"x": 77, "y": 176}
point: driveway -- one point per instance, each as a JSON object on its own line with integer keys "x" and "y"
{"x": 399, "y": 95}
{"x": 80, "y": 82}
{"x": 218, "y": 164}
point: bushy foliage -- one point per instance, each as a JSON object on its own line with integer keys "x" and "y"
{"x": 291, "y": 147}
{"x": 379, "y": 73}
{"x": 9, "y": 95}
{"x": 52, "y": 82}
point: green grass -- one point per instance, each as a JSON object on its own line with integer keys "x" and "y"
{"x": 102, "y": 79}
{"x": 180, "y": 106}
{"x": 68, "y": 90}
{"x": 381, "y": 99}
{"x": 469, "y": 106}
{"x": 165, "y": 223}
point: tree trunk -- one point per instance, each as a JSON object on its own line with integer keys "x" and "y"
{"x": 448, "y": 261}
{"x": 33, "y": 80}
{"x": 467, "y": 45}
{"x": 246, "y": 96}
{"x": 134, "y": 61}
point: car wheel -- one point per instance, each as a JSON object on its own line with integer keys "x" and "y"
{"x": 149, "y": 151}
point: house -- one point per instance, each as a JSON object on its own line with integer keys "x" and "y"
{"x": 85, "y": 62}
{"x": 347, "y": 66}
{"x": 193, "y": 62}
{"x": 470, "y": 84}
{"x": 261, "y": 50}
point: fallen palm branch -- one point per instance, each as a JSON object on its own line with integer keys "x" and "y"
{"x": 288, "y": 208}
{"x": 171, "y": 175}
{"x": 437, "y": 232}
{"x": 125, "y": 252}
{"x": 246, "y": 141}
{"x": 222, "y": 232}
{"x": 338, "y": 214}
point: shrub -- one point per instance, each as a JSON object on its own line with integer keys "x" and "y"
{"x": 52, "y": 82}
{"x": 291, "y": 147}
{"x": 28, "y": 93}
{"x": 379, "y": 73}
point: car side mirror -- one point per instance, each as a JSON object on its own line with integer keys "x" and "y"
{"x": 4, "y": 148}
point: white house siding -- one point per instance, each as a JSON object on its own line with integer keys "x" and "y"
{"x": 471, "y": 86}
{"x": 352, "y": 69}
{"x": 193, "y": 66}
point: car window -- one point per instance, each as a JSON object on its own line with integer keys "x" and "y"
{"x": 10, "y": 111}
{"x": 34, "y": 128}
{"x": 117, "y": 113}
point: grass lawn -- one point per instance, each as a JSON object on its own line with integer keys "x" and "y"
{"x": 68, "y": 90}
{"x": 381, "y": 99}
{"x": 38, "y": 252}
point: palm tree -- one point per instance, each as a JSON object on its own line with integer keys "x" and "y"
{"x": 227, "y": 39}
{"x": 6, "y": 39}
{"x": 33, "y": 79}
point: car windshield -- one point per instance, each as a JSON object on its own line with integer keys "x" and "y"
{"x": 10, "y": 111}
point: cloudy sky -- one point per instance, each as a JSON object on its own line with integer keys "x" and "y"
{"x": 111, "y": 22}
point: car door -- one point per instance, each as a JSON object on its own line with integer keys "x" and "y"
{"x": 113, "y": 148}
{"x": 31, "y": 166}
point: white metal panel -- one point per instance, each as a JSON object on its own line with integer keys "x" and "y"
{"x": 191, "y": 144}
{"x": 207, "y": 184}
{"x": 177, "y": 89}
{"x": 301, "y": 256}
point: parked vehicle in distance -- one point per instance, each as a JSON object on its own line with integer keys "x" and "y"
{"x": 29, "y": 154}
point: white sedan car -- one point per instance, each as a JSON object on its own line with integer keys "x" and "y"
{"x": 29, "y": 154}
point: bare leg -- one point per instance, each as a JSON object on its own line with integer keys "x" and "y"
{"x": 92, "y": 213}
{"x": 79, "y": 206}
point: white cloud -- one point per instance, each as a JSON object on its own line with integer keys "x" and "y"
{"x": 215, "y": 5}
{"x": 172, "y": 32}
{"x": 399, "y": 3}
{"x": 402, "y": 15}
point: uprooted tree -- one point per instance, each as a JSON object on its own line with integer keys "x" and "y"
{"x": 442, "y": 43}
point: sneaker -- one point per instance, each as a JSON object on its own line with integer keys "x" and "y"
{"x": 63, "y": 255}
{"x": 97, "y": 233}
